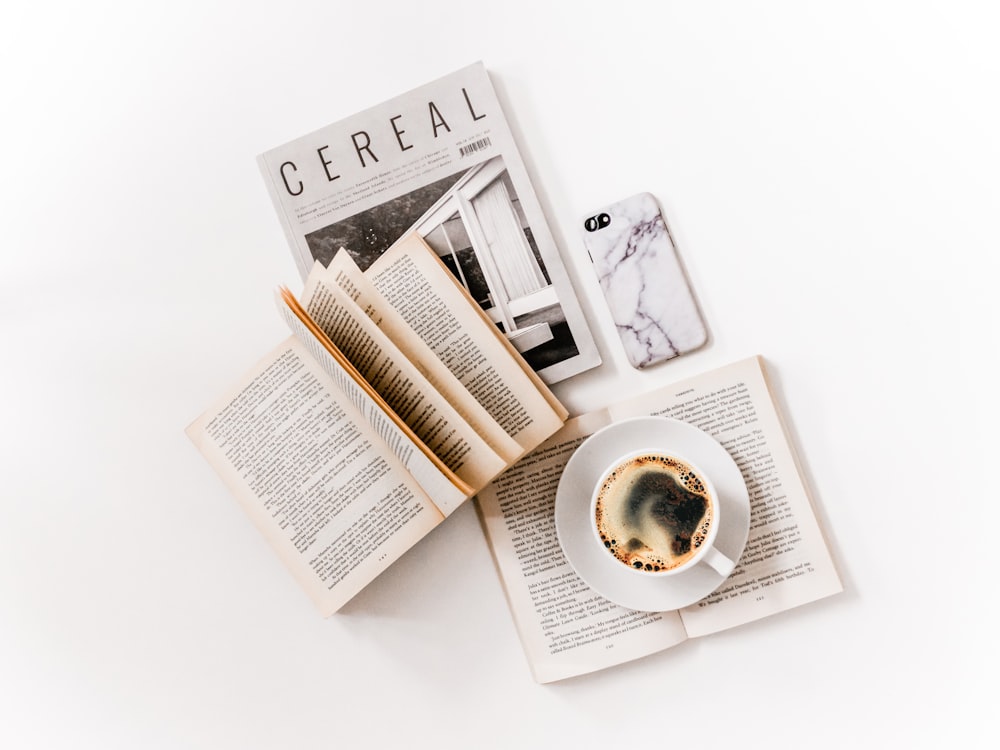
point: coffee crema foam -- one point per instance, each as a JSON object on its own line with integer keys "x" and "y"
{"x": 653, "y": 512}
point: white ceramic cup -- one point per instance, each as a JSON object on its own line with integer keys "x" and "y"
{"x": 706, "y": 552}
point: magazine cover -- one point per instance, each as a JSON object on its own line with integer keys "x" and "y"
{"x": 440, "y": 161}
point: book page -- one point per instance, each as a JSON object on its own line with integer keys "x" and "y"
{"x": 444, "y": 488}
{"x": 565, "y": 627}
{"x": 346, "y": 274}
{"x": 421, "y": 289}
{"x": 786, "y": 561}
{"x": 318, "y": 482}
{"x": 407, "y": 392}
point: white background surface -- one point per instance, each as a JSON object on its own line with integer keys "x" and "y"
{"x": 831, "y": 178}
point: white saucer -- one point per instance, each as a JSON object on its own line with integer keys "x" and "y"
{"x": 600, "y": 570}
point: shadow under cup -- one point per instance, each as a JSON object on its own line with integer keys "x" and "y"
{"x": 658, "y": 514}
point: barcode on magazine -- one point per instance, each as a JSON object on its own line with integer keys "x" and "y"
{"x": 471, "y": 148}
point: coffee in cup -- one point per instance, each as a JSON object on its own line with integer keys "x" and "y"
{"x": 658, "y": 514}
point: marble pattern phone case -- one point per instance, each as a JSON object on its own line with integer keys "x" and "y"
{"x": 642, "y": 280}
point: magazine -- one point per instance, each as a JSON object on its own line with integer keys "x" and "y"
{"x": 568, "y": 629}
{"x": 364, "y": 430}
{"x": 439, "y": 161}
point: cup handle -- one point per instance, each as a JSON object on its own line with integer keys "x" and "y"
{"x": 718, "y": 562}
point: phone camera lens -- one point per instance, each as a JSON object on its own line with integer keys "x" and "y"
{"x": 596, "y": 222}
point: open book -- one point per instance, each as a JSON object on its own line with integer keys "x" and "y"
{"x": 394, "y": 400}
{"x": 568, "y": 629}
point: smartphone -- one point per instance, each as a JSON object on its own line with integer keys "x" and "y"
{"x": 642, "y": 280}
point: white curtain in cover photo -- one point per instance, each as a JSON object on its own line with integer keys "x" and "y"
{"x": 508, "y": 247}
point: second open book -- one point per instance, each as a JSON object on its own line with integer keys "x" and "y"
{"x": 394, "y": 400}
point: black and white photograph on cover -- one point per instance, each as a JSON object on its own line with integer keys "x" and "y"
{"x": 474, "y": 221}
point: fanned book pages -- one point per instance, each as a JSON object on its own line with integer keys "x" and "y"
{"x": 381, "y": 414}
{"x": 439, "y": 161}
